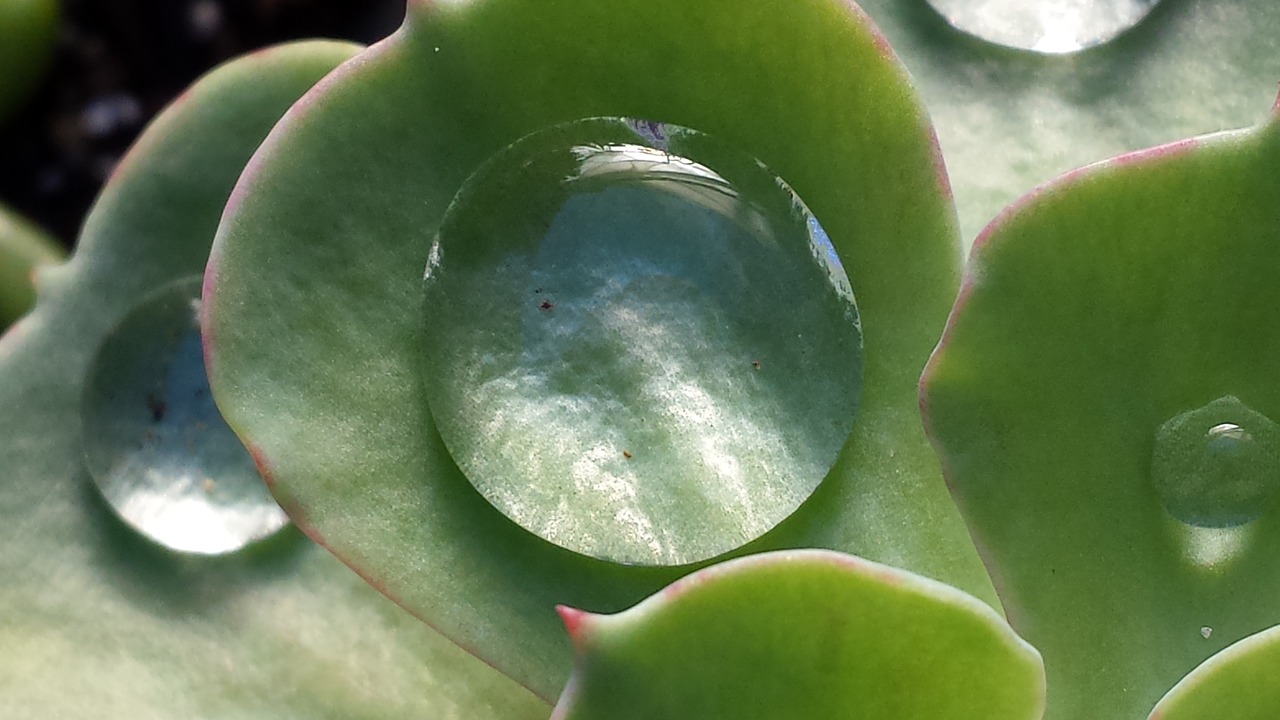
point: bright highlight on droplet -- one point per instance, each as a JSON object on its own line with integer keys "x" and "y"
{"x": 1217, "y": 466}
{"x": 1046, "y": 26}
{"x": 641, "y": 345}
{"x": 156, "y": 445}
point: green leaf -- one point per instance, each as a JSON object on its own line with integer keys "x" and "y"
{"x": 28, "y": 30}
{"x": 1238, "y": 683}
{"x": 802, "y": 634}
{"x": 1010, "y": 120}
{"x": 95, "y": 622}
{"x": 23, "y": 248}
{"x": 331, "y": 225}
{"x": 1102, "y": 317}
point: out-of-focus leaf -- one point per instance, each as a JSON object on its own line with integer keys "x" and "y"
{"x": 96, "y": 622}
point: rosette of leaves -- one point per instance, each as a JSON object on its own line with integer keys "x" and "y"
{"x": 501, "y": 70}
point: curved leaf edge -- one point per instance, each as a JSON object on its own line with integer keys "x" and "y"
{"x": 989, "y": 239}
{"x": 270, "y": 151}
{"x": 1205, "y": 675}
{"x": 580, "y": 625}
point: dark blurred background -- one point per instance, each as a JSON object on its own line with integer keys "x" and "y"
{"x": 119, "y": 62}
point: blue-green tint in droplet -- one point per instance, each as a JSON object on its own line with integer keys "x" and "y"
{"x": 1046, "y": 26}
{"x": 641, "y": 346}
{"x": 154, "y": 442}
{"x": 1217, "y": 466}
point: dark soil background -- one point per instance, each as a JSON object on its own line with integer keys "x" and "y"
{"x": 119, "y": 62}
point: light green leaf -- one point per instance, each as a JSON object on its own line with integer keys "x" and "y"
{"x": 330, "y": 229}
{"x": 802, "y": 634}
{"x": 1098, "y": 400}
{"x": 1010, "y": 120}
{"x": 95, "y": 622}
{"x": 23, "y": 248}
{"x": 1238, "y": 683}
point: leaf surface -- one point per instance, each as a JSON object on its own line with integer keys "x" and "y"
{"x": 1236, "y": 684}
{"x": 1010, "y": 120}
{"x": 1101, "y": 315}
{"x": 802, "y": 634}
{"x": 331, "y": 226}
{"x": 95, "y": 622}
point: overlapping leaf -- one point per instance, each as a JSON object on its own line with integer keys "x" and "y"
{"x": 802, "y": 634}
{"x": 1238, "y": 683}
{"x": 94, "y": 621}
{"x": 23, "y": 247}
{"x": 331, "y": 226}
{"x": 1096, "y": 310}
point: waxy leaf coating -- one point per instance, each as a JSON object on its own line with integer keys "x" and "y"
{"x": 802, "y": 634}
{"x": 331, "y": 225}
{"x": 1238, "y": 683}
{"x": 1095, "y": 311}
{"x": 96, "y": 622}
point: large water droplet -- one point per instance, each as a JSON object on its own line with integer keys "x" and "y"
{"x": 1047, "y": 26}
{"x": 154, "y": 442}
{"x": 641, "y": 345}
{"x": 1217, "y": 466}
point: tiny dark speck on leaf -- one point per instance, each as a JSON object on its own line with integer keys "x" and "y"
{"x": 547, "y": 305}
{"x": 157, "y": 408}
{"x": 626, "y": 454}
{"x": 755, "y": 364}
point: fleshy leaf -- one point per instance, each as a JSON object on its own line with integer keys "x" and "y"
{"x": 1116, "y": 326}
{"x": 23, "y": 248}
{"x": 1009, "y": 120}
{"x": 96, "y": 622}
{"x": 28, "y": 30}
{"x": 331, "y": 226}
{"x": 802, "y": 634}
{"x": 1238, "y": 683}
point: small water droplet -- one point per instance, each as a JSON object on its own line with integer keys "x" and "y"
{"x": 1047, "y": 26}
{"x": 154, "y": 442}
{"x": 1217, "y": 466}
{"x": 606, "y": 272}
{"x": 1206, "y": 632}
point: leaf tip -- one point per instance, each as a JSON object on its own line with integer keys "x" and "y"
{"x": 576, "y": 622}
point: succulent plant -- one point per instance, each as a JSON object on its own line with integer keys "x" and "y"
{"x": 1099, "y": 403}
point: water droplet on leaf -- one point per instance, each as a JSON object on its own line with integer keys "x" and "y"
{"x": 1046, "y": 26}
{"x": 155, "y": 443}
{"x": 1217, "y": 466}
{"x": 592, "y": 298}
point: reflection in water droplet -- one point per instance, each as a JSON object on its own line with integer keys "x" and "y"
{"x": 1213, "y": 548}
{"x": 1217, "y": 466}
{"x": 1206, "y": 632}
{"x": 154, "y": 442}
{"x": 1046, "y": 26}
{"x": 642, "y": 347}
